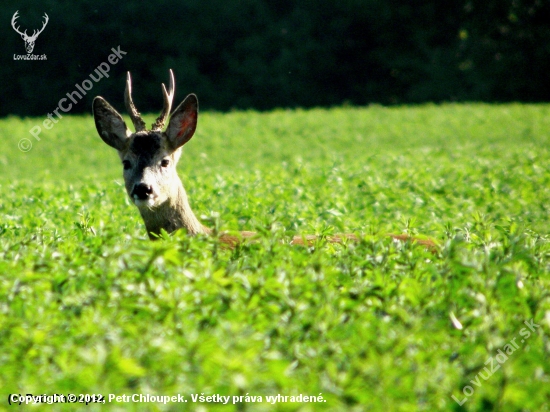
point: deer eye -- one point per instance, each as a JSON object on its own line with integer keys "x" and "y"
{"x": 165, "y": 162}
{"x": 126, "y": 164}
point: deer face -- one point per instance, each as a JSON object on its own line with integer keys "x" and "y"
{"x": 149, "y": 166}
{"x": 149, "y": 157}
{"x": 29, "y": 43}
{"x": 29, "y": 46}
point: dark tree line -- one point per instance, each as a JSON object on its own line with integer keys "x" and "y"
{"x": 286, "y": 53}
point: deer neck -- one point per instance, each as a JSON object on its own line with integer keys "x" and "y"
{"x": 175, "y": 213}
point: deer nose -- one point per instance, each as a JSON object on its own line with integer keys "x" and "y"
{"x": 142, "y": 191}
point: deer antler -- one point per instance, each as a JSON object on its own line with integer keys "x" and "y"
{"x": 13, "y": 21}
{"x": 138, "y": 122}
{"x": 37, "y": 32}
{"x": 168, "y": 98}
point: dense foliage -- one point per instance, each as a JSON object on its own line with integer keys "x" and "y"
{"x": 89, "y": 305}
{"x": 263, "y": 54}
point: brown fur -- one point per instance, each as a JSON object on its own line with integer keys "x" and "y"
{"x": 233, "y": 241}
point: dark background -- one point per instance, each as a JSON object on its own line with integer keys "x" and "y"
{"x": 263, "y": 54}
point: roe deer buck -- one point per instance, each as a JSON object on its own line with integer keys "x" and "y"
{"x": 149, "y": 158}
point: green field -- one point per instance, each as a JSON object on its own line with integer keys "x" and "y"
{"x": 89, "y": 305}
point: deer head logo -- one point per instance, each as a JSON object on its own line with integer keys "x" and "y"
{"x": 29, "y": 40}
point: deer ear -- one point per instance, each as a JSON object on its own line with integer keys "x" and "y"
{"x": 183, "y": 122}
{"x": 110, "y": 125}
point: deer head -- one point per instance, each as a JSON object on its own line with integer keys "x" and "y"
{"x": 29, "y": 40}
{"x": 149, "y": 157}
